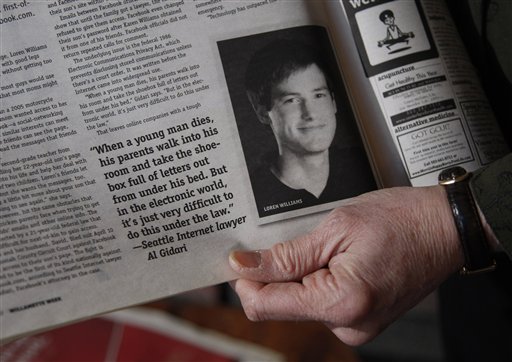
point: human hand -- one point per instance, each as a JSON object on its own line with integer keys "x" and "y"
{"x": 366, "y": 264}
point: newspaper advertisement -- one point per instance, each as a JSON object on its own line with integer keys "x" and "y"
{"x": 427, "y": 90}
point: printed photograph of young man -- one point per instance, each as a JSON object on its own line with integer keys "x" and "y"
{"x": 291, "y": 94}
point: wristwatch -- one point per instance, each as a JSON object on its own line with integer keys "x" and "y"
{"x": 477, "y": 254}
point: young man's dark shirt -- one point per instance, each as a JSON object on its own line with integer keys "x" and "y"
{"x": 349, "y": 175}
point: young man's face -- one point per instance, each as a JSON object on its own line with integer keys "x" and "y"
{"x": 303, "y": 113}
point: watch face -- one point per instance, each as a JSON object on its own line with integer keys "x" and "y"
{"x": 452, "y": 175}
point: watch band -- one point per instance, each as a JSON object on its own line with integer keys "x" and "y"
{"x": 477, "y": 254}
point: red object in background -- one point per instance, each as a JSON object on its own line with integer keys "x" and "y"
{"x": 105, "y": 340}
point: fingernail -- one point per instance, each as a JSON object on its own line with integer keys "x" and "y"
{"x": 246, "y": 259}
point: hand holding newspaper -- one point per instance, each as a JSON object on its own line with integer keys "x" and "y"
{"x": 142, "y": 141}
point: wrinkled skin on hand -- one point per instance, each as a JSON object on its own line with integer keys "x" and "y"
{"x": 366, "y": 264}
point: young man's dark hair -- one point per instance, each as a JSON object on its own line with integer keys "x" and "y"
{"x": 275, "y": 62}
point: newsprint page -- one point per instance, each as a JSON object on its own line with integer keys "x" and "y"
{"x": 123, "y": 175}
{"x": 139, "y": 138}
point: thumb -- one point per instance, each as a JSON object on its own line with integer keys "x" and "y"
{"x": 283, "y": 262}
